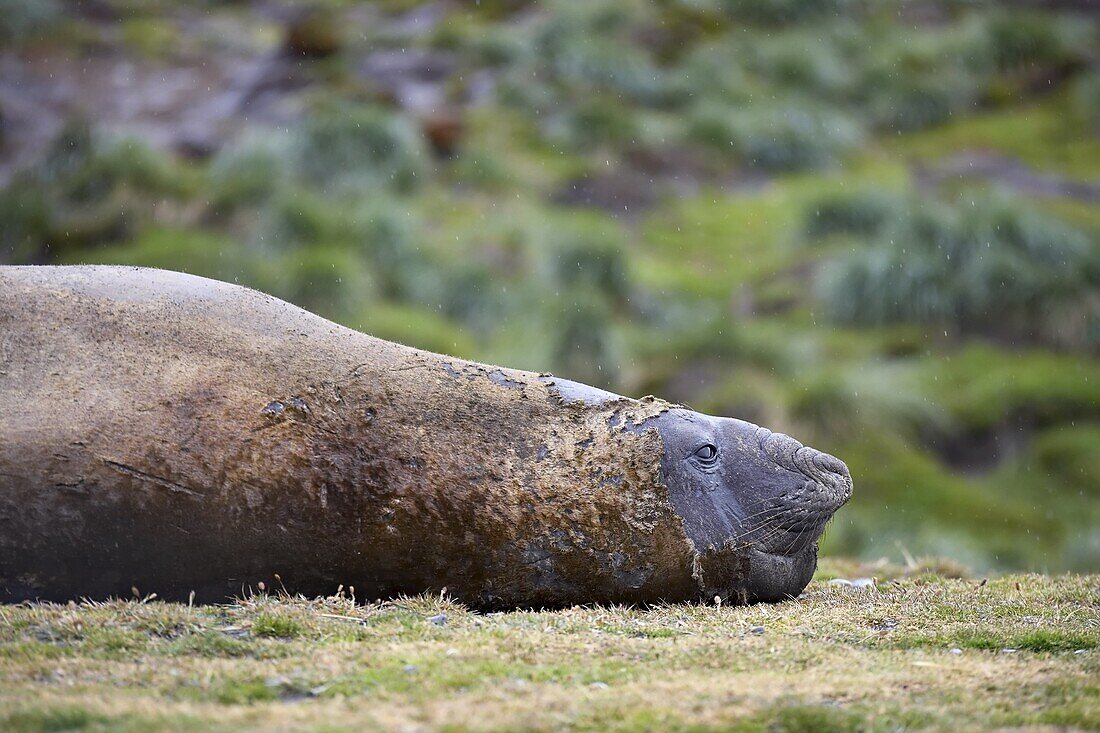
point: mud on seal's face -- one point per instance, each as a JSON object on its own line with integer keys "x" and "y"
{"x": 751, "y": 494}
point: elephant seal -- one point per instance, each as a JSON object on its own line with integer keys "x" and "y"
{"x": 175, "y": 434}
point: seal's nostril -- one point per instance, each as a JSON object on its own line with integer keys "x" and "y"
{"x": 831, "y": 464}
{"x": 827, "y": 471}
{"x": 833, "y": 474}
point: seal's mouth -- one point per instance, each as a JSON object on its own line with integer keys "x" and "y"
{"x": 773, "y": 577}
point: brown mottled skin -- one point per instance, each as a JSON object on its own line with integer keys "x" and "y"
{"x": 174, "y": 434}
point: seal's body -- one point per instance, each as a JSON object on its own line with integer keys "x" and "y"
{"x": 170, "y": 433}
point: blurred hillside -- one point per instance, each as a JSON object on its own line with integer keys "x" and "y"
{"x": 873, "y": 224}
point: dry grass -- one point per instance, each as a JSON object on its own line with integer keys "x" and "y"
{"x": 919, "y": 652}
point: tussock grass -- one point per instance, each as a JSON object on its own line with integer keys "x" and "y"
{"x": 919, "y": 651}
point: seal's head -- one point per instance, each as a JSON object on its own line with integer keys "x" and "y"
{"x": 753, "y": 503}
{"x": 750, "y": 497}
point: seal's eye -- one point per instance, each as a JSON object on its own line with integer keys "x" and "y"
{"x": 706, "y": 453}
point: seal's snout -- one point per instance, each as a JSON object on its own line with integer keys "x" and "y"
{"x": 828, "y": 474}
{"x": 831, "y": 475}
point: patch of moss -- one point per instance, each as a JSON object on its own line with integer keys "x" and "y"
{"x": 246, "y": 692}
{"x": 715, "y": 244}
{"x": 213, "y": 644}
{"x": 1038, "y": 640}
{"x": 793, "y": 718}
{"x": 26, "y": 651}
{"x": 114, "y": 642}
{"x": 1069, "y": 453}
{"x": 277, "y": 626}
{"x": 53, "y": 720}
{"x": 72, "y": 718}
{"x": 1044, "y": 136}
{"x": 981, "y": 386}
{"x": 1069, "y": 703}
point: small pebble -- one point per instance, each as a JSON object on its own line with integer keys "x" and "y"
{"x": 438, "y": 620}
{"x": 955, "y": 650}
{"x": 856, "y": 583}
{"x": 756, "y": 630}
{"x": 1079, "y": 651}
{"x": 599, "y": 685}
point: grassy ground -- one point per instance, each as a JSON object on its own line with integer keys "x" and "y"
{"x": 917, "y": 652}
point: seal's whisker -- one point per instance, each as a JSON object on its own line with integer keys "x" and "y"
{"x": 772, "y": 530}
{"x": 769, "y": 531}
{"x": 791, "y": 545}
{"x": 762, "y": 512}
{"x": 765, "y": 524}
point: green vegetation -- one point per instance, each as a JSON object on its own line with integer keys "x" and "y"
{"x": 872, "y": 225}
{"x": 918, "y": 651}
{"x": 983, "y": 266}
